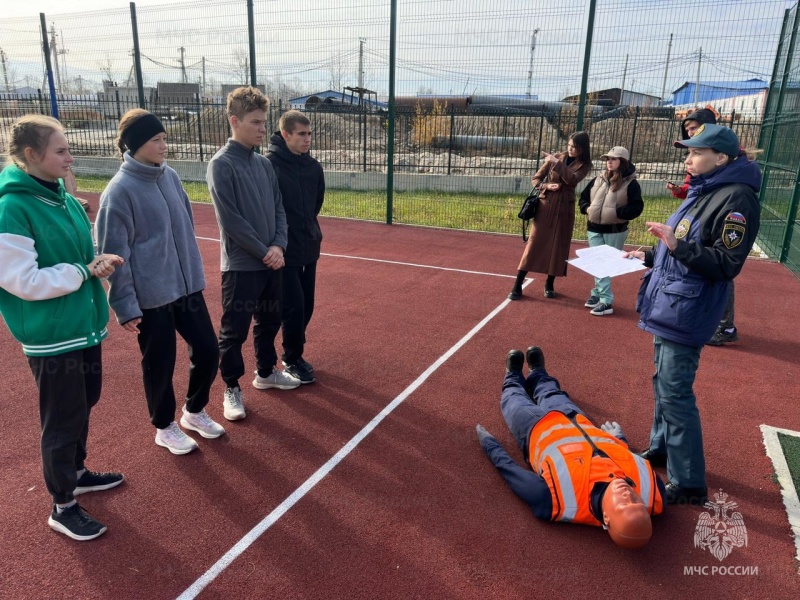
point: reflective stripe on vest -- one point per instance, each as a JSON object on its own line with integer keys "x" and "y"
{"x": 563, "y": 457}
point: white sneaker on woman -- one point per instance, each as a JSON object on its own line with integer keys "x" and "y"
{"x": 201, "y": 423}
{"x": 175, "y": 440}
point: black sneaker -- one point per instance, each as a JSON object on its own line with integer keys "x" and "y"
{"x": 680, "y": 495}
{"x": 97, "y": 482}
{"x": 296, "y": 370}
{"x": 301, "y": 362}
{"x": 535, "y": 358}
{"x": 514, "y": 361}
{"x": 722, "y": 337}
{"x": 592, "y": 302}
{"x": 601, "y": 308}
{"x": 75, "y": 523}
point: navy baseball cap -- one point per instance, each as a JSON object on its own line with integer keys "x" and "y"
{"x": 718, "y": 138}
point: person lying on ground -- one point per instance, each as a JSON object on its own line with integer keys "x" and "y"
{"x": 580, "y": 473}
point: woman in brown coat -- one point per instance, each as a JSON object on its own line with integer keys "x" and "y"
{"x": 547, "y": 250}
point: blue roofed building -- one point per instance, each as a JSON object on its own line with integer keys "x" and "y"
{"x": 746, "y": 97}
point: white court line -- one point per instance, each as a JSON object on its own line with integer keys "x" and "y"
{"x": 788, "y": 491}
{"x": 395, "y": 262}
{"x": 217, "y": 568}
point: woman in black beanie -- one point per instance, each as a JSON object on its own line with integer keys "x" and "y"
{"x": 146, "y": 215}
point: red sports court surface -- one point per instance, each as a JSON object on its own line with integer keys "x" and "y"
{"x": 371, "y": 483}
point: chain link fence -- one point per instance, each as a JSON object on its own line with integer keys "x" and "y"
{"x": 480, "y": 90}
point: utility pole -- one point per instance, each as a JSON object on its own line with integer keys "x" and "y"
{"x": 54, "y": 52}
{"x": 530, "y": 65}
{"x": 203, "y": 89}
{"x": 183, "y": 65}
{"x": 63, "y": 54}
{"x": 624, "y": 76}
{"x": 5, "y": 71}
{"x": 361, "y": 42}
{"x": 666, "y": 69}
{"x": 697, "y": 83}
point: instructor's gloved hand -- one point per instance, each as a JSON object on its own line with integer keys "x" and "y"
{"x": 613, "y": 428}
{"x": 482, "y": 433}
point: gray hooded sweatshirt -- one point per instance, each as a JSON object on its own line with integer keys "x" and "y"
{"x": 146, "y": 218}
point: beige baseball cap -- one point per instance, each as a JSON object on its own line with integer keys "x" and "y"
{"x": 617, "y": 152}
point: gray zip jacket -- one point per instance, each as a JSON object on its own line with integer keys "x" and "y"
{"x": 146, "y": 218}
{"x": 249, "y": 208}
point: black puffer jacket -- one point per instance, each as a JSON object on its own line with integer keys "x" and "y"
{"x": 302, "y": 185}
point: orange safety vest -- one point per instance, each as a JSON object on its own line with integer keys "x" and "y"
{"x": 560, "y": 453}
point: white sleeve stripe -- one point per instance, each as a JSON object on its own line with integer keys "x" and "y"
{"x": 22, "y": 276}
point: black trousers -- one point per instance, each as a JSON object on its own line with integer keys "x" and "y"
{"x": 249, "y": 296}
{"x": 189, "y": 317}
{"x": 299, "y": 285}
{"x": 69, "y": 386}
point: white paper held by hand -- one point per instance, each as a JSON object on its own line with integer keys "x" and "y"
{"x": 605, "y": 261}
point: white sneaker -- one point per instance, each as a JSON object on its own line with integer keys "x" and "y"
{"x": 277, "y": 379}
{"x": 174, "y": 440}
{"x": 201, "y": 423}
{"x": 233, "y": 404}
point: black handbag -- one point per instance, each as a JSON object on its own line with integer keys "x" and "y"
{"x": 528, "y": 211}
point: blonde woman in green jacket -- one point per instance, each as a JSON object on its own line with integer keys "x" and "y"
{"x": 53, "y": 302}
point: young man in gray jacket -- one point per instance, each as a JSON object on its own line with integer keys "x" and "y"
{"x": 253, "y": 238}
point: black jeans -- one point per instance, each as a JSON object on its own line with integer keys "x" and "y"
{"x": 246, "y": 296}
{"x": 189, "y": 317}
{"x": 299, "y": 284}
{"x": 69, "y": 386}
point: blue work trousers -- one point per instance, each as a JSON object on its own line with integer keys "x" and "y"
{"x": 676, "y": 427}
{"x": 522, "y": 413}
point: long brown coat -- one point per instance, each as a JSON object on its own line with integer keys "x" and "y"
{"x": 547, "y": 249}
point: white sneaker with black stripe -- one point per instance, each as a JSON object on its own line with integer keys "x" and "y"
{"x": 602, "y": 309}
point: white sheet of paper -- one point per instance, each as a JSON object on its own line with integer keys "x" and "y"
{"x": 605, "y": 261}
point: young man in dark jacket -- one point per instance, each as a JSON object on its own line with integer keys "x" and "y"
{"x": 704, "y": 246}
{"x": 302, "y": 185}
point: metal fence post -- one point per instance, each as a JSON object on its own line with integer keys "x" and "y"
{"x": 587, "y": 53}
{"x": 137, "y": 57}
{"x": 450, "y": 141}
{"x": 539, "y": 147}
{"x": 199, "y": 126}
{"x": 390, "y": 144}
{"x": 364, "y": 137}
{"x": 50, "y": 84}
{"x": 251, "y": 38}
{"x": 633, "y": 133}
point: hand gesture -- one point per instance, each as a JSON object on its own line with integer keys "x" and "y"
{"x": 613, "y": 428}
{"x": 482, "y": 433}
{"x": 665, "y": 233}
{"x": 274, "y": 258}
{"x": 634, "y": 254}
{"x": 103, "y": 265}
{"x": 132, "y": 325}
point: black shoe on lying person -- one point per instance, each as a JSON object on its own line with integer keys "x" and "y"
{"x": 514, "y": 361}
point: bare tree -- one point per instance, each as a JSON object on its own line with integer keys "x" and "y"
{"x": 337, "y": 71}
{"x": 106, "y": 67}
{"x": 242, "y": 62}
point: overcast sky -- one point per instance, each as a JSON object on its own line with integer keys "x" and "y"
{"x": 461, "y": 47}
{"x": 28, "y": 8}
